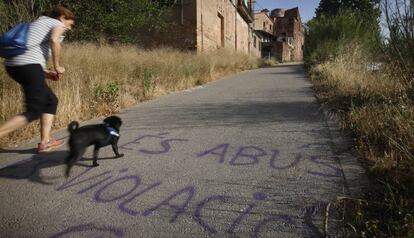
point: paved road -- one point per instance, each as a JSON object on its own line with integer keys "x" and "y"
{"x": 252, "y": 155}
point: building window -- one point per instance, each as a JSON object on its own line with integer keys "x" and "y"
{"x": 254, "y": 41}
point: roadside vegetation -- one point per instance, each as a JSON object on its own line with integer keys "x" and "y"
{"x": 368, "y": 80}
{"x": 105, "y": 68}
{"x": 102, "y": 79}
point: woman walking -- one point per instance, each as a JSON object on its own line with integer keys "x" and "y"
{"x": 29, "y": 70}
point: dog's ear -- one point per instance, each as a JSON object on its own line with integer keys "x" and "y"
{"x": 107, "y": 120}
{"x": 114, "y": 121}
{"x": 117, "y": 122}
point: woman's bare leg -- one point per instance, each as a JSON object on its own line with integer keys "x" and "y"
{"x": 46, "y": 122}
{"x": 13, "y": 124}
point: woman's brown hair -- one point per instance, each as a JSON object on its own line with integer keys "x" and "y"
{"x": 59, "y": 11}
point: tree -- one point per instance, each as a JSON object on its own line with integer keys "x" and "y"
{"x": 368, "y": 11}
{"x": 17, "y": 11}
{"x": 338, "y": 25}
{"x": 327, "y": 7}
{"x": 368, "y": 8}
{"x": 112, "y": 20}
{"x": 115, "y": 20}
{"x": 399, "y": 44}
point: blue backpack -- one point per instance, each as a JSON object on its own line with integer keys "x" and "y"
{"x": 13, "y": 42}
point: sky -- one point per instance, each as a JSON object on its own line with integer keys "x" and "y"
{"x": 306, "y": 7}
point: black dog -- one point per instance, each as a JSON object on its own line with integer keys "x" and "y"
{"x": 98, "y": 135}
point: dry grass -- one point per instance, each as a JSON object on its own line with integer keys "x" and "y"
{"x": 374, "y": 105}
{"x": 101, "y": 80}
{"x": 378, "y": 109}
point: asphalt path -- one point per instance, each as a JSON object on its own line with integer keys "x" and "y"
{"x": 250, "y": 155}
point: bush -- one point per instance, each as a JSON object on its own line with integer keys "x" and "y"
{"x": 111, "y": 20}
{"x": 328, "y": 37}
{"x": 377, "y": 107}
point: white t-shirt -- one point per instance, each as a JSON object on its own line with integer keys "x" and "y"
{"x": 38, "y": 43}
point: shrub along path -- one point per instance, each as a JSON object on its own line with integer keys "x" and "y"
{"x": 252, "y": 155}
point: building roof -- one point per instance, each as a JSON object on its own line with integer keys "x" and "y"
{"x": 264, "y": 34}
{"x": 266, "y": 13}
{"x": 293, "y": 13}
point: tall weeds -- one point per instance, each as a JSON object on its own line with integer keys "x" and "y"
{"x": 399, "y": 46}
{"x": 377, "y": 106}
{"x": 101, "y": 80}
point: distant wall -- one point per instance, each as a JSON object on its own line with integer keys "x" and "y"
{"x": 180, "y": 29}
{"x": 204, "y": 25}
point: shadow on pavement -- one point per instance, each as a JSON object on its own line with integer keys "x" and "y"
{"x": 31, "y": 168}
{"x": 24, "y": 151}
{"x": 232, "y": 114}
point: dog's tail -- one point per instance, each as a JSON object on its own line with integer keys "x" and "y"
{"x": 73, "y": 126}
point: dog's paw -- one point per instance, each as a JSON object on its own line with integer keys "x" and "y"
{"x": 67, "y": 172}
{"x": 120, "y": 155}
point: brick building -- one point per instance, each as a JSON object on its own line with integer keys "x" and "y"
{"x": 203, "y": 25}
{"x": 264, "y": 28}
{"x": 208, "y": 24}
{"x": 286, "y": 42}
